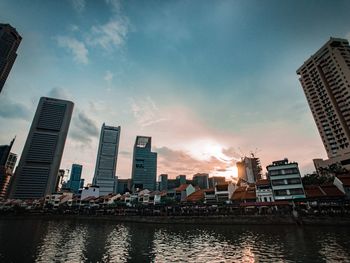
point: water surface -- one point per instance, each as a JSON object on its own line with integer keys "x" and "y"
{"x": 94, "y": 240}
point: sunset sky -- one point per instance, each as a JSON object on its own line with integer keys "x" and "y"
{"x": 210, "y": 81}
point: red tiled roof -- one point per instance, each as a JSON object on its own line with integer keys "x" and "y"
{"x": 181, "y": 188}
{"x": 345, "y": 179}
{"x": 323, "y": 191}
{"x": 244, "y": 193}
{"x": 222, "y": 187}
{"x": 195, "y": 197}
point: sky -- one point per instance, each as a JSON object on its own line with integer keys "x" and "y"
{"x": 210, "y": 81}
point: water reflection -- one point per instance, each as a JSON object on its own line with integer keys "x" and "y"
{"x": 105, "y": 241}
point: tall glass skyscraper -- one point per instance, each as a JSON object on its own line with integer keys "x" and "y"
{"x": 75, "y": 177}
{"x": 106, "y": 163}
{"x": 144, "y": 165}
{"x": 9, "y": 42}
{"x": 37, "y": 171}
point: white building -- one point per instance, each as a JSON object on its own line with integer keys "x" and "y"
{"x": 264, "y": 191}
{"x": 90, "y": 191}
{"x": 285, "y": 180}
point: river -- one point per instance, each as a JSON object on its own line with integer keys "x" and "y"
{"x": 94, "y": 240}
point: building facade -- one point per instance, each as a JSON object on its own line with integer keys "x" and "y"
{"x": 144, "y": 165}
{"x": 74, "y": 183}
{"x": 9, "y": 42}
{"x": 106, "y": 162}
{"x": 163, "y": 184}
{"x": 37, "y": 171}
{"x": 249, "y": 169}
{"x": 285, "y": 180}
{"x": 325, "y": 78}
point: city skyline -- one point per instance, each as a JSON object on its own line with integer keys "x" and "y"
{"x": 104, "y": 59}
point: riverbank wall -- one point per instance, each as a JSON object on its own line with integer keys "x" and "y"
{"x": 195, "y": 220}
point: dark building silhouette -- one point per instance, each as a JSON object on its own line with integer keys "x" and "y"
{"x": 201, "y": 180}
{"x": 144, "y": 165}
{"x": 37, "y": 171}
{"x": 9, "y": 42}
{"x": 7, "y": 163}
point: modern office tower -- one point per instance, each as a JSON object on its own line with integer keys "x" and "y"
{"x": 144, "y": 165}
{"x": 9, "y": 42}
{"x": 82, "y": 181}
{"x": 215, "y": 180}
{"x": 37, "y": 171}
{"x": 325, "y": 78}
{"x": 285, "y": 180}
{"x": 249, "y": 169}
{"x": 11, "y": 161}
{"x": 106, "y": 163}
{"x": 201, "y": 180}
{"x": 75, "y": 178}
{"x": 163, "y": 184}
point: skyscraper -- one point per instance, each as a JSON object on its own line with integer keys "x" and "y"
{"x": 106, "y": 163}
{"x": 144, "y": 164}
{"x": 9, "y": 42}
{"x": 249, "y": 169}
{"x": 37, "y": 171}
{"x": 75, "y": 177}
{"x": 325, "y": 78}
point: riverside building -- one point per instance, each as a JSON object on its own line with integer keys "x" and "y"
{"x": 325, "y": 78}
{"x": 285, "y": 180}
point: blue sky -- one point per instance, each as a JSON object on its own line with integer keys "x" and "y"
{"x": 203, "y": 78}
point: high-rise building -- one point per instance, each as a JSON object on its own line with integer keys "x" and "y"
{"x": 9, "y": 42}
{"x": 181, "y": 178}
{"x": 11, "y": 161}
{"x": 285, "y": 180}
{"x": 106, "y": 163}
{"x": 325, "y": 78}
{"x": 144, "y": 165}
{"x": 124, "y": 185}
{"x": 37, "y": 171}
{"x": 249, "y": 169}
{"x": 75, "y": 178}
{"x": 201, "y": 180}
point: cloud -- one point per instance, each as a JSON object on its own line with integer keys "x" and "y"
{"x": 176, "y": 162}
{"x": 84, "y": 128}
{"x": 76, "y": 47}
{"x": 60, "y": 93}
{"x": 13, "y": 110}
{"x": 146, "y": 112}
{"x": 109, "y": 36}
{"x": 78, "y": 5}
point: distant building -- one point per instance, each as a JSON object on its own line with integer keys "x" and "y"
{"x": 106, "y": 163}
{"x": 9, "y": 42}
{"x": 75, "y": 178}
{"x": 6, "y": 168}
{"x": 214, "y": 180}
{"x": 37, "y": 171}
{"x": 11, "y": 161}
{"x": 285, "y": 180}
{"x": 181, "y": 178}
{"x": 249, "y": 169}
{"x": 163, "y": 184}
{"x": 124, "y": 185}
{"x": 325, "y": 79}
{"x": 144, "y": 165}
{"x": 82, "y": 182}
{"x": 201, "y": 180}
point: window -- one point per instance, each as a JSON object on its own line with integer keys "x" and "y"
{"x": 294, "y": 181}
{"x": 278, "y": 182}
{"x": 298, "y": 191}
{"x": 280, "y": 192}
